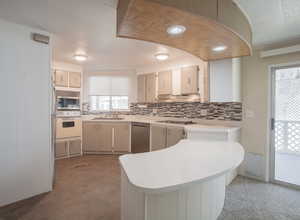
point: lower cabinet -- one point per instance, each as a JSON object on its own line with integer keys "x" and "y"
{"x": 163, "y": 136}
{"x": 102, "y": 137}
{"x": 67, "y": 148}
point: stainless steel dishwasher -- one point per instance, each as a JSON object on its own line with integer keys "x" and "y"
{"x": 140, "y": 137}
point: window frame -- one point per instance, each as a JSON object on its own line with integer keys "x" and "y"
{"x": 110, "y": 103}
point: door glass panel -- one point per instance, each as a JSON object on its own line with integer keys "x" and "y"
{"x": 287, "y": 125}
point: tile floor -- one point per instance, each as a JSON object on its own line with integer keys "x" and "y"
{"x": 87, "y": 188}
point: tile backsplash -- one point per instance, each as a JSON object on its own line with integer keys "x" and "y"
{"x": 229, "y": 111}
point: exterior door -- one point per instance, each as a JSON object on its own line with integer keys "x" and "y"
{"x": 285, "y": 125}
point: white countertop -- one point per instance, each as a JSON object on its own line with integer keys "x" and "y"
{"x": 202, "y": 125}
{"x": 185, "y": 163}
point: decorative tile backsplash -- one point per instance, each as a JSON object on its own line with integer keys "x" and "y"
{"x": 229, "y": 111}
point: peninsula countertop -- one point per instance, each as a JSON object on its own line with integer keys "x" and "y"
{"x": 187, "y": 162}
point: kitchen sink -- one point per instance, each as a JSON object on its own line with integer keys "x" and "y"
{"x": 106, "y": 118}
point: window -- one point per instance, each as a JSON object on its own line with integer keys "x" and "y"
{"x": 108, "y": 103}
{"x": 108, "y": 93}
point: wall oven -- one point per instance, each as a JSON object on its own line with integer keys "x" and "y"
{"x": 68, "y": 127}
{"x": 68, "y": 103}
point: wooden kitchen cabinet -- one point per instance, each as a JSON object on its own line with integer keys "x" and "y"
{"x": 121, "y": 136}
{"x": 165, "y": 83}
{"x": 151, "y": 87}
{"x": 141, "y": 88}
{"x": 163, "y": 136}
{"x": 75, "y": 147}
{"x": 61, "y": 78}
{"x": 189, "y": 80}
{"x": 61, "y": 149}
{"x": 174, "y": 135}
{"x": 97, "y": 137}
{"x": 74, "y": 80}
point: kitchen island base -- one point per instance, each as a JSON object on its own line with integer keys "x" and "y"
{"x": 195, "y": 201}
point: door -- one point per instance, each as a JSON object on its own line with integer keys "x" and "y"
{"x": 61, "y": 78}
{"x": 74, "y": 80}
{"x": 165, "y": 83}
{"x": 285, "y": 125}
{"x": 141, "y": 88}
{"x": 189, "y": 80}
{"x": 121, "y": 133}
{"x": 97, "y": 137}
{"x": 150, "y": 87}
{"x": 174, "y": 135}
{"x": 158, "y": 137}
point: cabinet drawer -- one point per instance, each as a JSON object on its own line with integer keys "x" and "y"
{"x": 61, "y": 149}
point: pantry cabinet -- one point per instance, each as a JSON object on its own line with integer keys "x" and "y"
{"x": 165, "y": 83}
{"x": 189, "y": 80}
{"x": 164, "y": 136}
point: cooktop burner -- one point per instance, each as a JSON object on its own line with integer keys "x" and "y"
{"x": 178, "y": 122}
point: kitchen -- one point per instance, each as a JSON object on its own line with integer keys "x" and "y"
{"x": 114, "y": 110}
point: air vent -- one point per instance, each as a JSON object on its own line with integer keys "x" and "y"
{"x": 40, "y": 38}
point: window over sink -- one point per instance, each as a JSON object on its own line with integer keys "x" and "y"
{"x": 109, "y": 93}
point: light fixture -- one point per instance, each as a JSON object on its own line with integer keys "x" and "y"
{"x": 80, "y": 57}
{"x": 162, "y": 56}
{"x": 176, "y": 29}
{"x": 219, "y": 48}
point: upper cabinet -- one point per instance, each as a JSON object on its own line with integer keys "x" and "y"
{"x": 74, "y": 80}
{"x": 165, "y": 83}
{"x": 146, "y": 88}
{"x": 151, "y": 87}
{"x": 67, "y": 79}
{"x": 141, "y": 88}
{"x": 208, "y": 23}
{"x": 61, "y": 78}
{"x": 190, "y": 80}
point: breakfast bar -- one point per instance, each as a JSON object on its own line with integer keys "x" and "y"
{"x": 183, "y": 182}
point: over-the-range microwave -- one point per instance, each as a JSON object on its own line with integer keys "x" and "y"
{"x": 68, "y": 103}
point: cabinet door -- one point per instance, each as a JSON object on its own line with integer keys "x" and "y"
{"x": 75, "y": 147}
{"x": 74, "y": 80}
{"x": 150, "y": 87}
{"x": 61, "y": 149}
{"x": 158, "y": 137}
{"x": 97, "y": 137}
{"x": 121, "y": 132}
{"x": 174, "y": 135}
{"x": 165, "y": 83}
{"x": 141, "y": 88}
{"x": 189, "y": 80}
{"x": 61, "y": 78}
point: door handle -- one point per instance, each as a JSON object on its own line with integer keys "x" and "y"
{"x": 272, "y": 124}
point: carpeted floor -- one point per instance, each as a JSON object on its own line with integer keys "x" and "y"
{"x": 88, "y": 188}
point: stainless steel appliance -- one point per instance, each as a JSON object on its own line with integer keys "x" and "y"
{"x": 140, "y": 137}
{"x": 68, "y": 103}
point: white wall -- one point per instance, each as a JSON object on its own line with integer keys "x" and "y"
{"x": 26, "y": 167}
{"x": 130, "y": 73}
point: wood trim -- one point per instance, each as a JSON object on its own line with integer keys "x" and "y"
{"x": 147, "y": 20}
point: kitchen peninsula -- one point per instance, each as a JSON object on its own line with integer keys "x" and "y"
{"x": 184, "y": 182}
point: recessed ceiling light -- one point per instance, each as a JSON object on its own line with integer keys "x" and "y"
{"x": 162, "y": 56}
{"x": 219, "y": 48}
{"x": 80, "y": 57}
{"x": 176, "y": 29}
